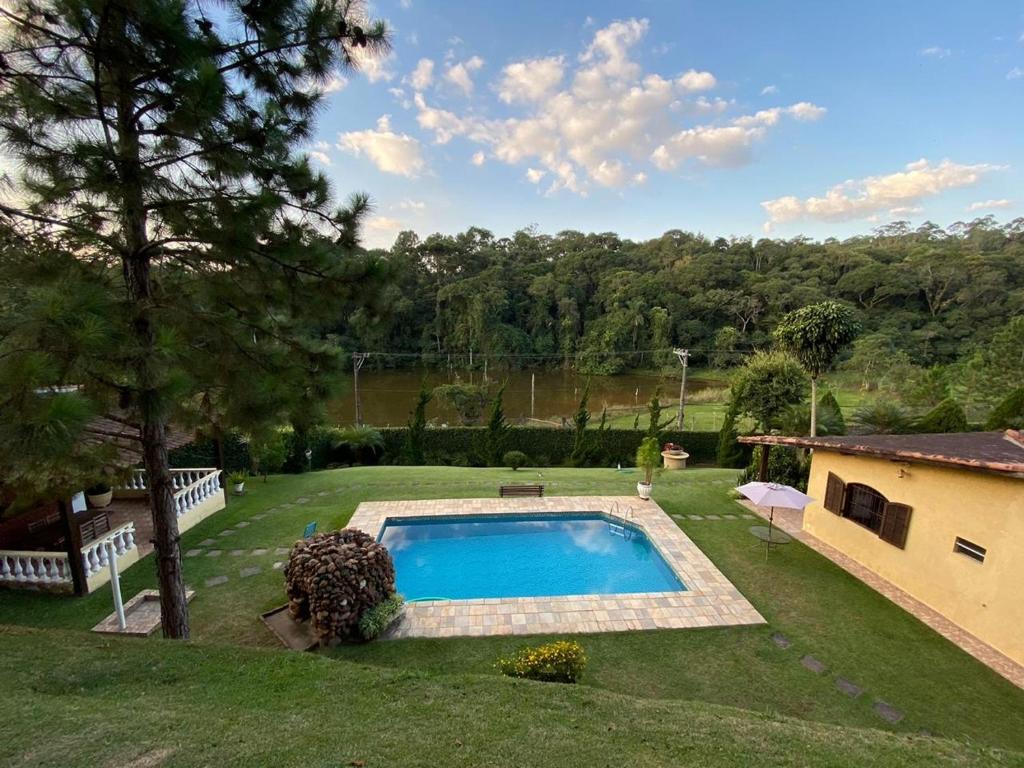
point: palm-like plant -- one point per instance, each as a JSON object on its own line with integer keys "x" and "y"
{"x": 882, "y": 418}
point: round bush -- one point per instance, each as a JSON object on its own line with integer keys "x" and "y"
{"x": 514, "y": 459}
{"x": 334, "y": 578}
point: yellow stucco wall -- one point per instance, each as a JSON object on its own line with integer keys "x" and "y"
{"x": 986, "y": 599}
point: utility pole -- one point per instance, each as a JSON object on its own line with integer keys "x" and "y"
{"x": 684, "y": 359}
{"x": 533, "y": 387}
{"x": 358, "y": 358}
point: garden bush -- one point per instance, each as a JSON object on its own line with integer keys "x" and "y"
{"x": 947, "y": 416}
{"x": 785, "y": 466}
{"x": 560, "y": 662}
{"x": 514, "y": 459}
{"x": 378, "y": 618}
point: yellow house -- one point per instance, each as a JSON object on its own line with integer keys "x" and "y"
{"x": 939, "y": 516}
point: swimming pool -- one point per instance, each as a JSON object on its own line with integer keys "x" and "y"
{"x": 530, "y": 555}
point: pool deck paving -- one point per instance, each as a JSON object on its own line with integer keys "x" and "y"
{"x": 710, "y": 599}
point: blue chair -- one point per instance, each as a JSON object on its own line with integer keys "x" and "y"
{"x": 310, "y": 530}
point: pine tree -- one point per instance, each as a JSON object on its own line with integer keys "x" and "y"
{"x": 159, "y": 147}
{"x": 497, "y": 429}
{"x": 416, "y": 442}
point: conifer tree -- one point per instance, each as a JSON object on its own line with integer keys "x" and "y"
{"x": 159, "y": 150}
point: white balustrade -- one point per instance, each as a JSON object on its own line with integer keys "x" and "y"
{"x": 34, "y": 568}
{"x": 201, "y": 484}
{"x": 136, "y": 481}
{"x": 94, "y": 554}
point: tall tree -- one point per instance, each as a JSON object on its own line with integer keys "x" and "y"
{"x": 815, "y": 335}
{"x": 158, "y": 143}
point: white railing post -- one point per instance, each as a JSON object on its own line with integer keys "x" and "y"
{"x": 34, "y": 568}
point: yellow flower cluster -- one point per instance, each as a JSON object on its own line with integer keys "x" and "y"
{"x": 562, "y": 661}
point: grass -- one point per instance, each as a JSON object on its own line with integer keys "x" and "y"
{"x": 652, "y": 681}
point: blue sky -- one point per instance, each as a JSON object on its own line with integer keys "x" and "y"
{"x": 728, "y": 118}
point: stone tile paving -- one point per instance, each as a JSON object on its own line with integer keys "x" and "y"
{"x": 259, "y": 551}
{"x": 887, "y": 712}
{"x": 213, "y": 553}
{"x": 813, "y": 664}
{"x": 252, "y": 570}
{"x": 237, "y": 552}
{"x": 850, "y": 689}
{"x": 278, "y": 565}
{"x": 227, "y": 532}
{"x": 193, "y": 552}
{"x": 781, "y": 641}
{"x": 710, "y": 599}
{"x": 207, "y": 543}
{"x": 216, "y": 580}
{"x": 791, "y": 521}
{"x": 282, "y": 550}
{"x": 242, "y": 524}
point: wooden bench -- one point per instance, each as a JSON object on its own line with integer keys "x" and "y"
{"x": 520, "y": 490}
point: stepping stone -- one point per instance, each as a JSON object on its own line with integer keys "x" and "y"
{"x": 213, "y": 582}
{"x": 323, "y": 493}
{"x": 278, "y": 565}
{"x": 228, "y": 532}
{"x": 888, "y": 712}
{"x": 850, "y": 689}
{"x": 207, "y": 543}
{"x": 303, "y": 500}
{"x": 728, "y": 517}
{"x": 193, "y": 552}
{"x": 257, "y": 517}
{"x": 813, "y": 664}
{"x": 252, "y": 570}
{"x": 289, "y": 505}
{"x": 282, "y": 551}
{"x": 241, "y": 524}
{"x": 781, "y": 640}
{"x": 237, "y": 552}
{"x": 259, "y": 551}
{"x": 712, "y": 517}
{"x": 750, "y": 517}
{"x": 695, "y": 517}
{"x": 213, "y": 553}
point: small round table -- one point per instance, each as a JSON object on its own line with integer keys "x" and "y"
{"x": 771, "y": 537}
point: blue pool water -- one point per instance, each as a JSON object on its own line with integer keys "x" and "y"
{"x": 522, "y": 556}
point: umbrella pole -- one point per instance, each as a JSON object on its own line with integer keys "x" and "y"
{"x": 768, "y": 544}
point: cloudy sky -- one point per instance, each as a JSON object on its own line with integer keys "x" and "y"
{"x": 729, "y": 118}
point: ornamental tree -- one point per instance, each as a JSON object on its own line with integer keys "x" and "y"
{"x": 815, "y": 335}
{"x": 158, "y": 146}
{"x": 768, "y": 384}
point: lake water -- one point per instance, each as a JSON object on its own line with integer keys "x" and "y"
{"x": 388, "y": 397}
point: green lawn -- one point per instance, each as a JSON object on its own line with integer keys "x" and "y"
{"x": 665, "y": 685}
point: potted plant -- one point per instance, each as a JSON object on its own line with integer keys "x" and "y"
{"x": 237, "y": 480}
{"x": 648, "y": 459}
{"x": 99, "y": 495}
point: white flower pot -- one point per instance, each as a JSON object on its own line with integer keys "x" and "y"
{"x": 644, "y": 490}
{"x": 239, "y": 489}
{"x": 100, "y": 500}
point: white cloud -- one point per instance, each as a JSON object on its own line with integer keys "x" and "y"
{"x": 936, "y": 52}
{"x": 602, "y": 120}
{"x": 989, "y": 205}
{"x": 405, "y": 5}
{"x": 334, "y": 84}
{"x": 381, "y": 231}
{"x": 460, "y": 74}
{"x": 769, "y": 90}
{"x": 863, "y": 198}
{"x": 535, "y": 175}
{"x": 373, "y": 66}
{"x": 693, "y": 80}
{"x": 1015, "y": 74}
{"x": 417, "y": 206}
{"x": 391, "y": 152}
{"x": 320, "y": 157}
{"x": 479, "y": 158}
{"x": 421, "y": 77}
{"x": 530, "y": 80}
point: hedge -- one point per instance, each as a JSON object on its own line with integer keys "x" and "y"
{"x": 459, "y": 446}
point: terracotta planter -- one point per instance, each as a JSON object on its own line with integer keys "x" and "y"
{"x": 100, "y": 500}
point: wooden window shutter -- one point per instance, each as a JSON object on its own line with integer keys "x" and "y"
{"x": 895, "y": 522}
{"x": 835, "y": 489}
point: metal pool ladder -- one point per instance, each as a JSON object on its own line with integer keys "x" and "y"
{"x": 618, "y": 524}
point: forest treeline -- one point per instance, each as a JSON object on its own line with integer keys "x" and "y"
{"x": 926, "y": 296}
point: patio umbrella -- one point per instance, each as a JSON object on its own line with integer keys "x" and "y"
{"x": 774, "y": 495}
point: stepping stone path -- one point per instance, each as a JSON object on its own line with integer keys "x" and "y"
{"x": 228, "y": 532}
{"x": 813, "y": 664}
{"x": 193, "y": 552}
{"x": 750, "y": 517}
{"x": 696, "y": 517}
{"x": 252, "y": 570}
{"x": 241, "y": 524}
{"x": 888, "y": 712}
{"x": 213, "y": 553}
{"x": 257, "y": 517}
{"x": 207, "y": 543}
{"x": 712, "y": 517}
{"x": 781, "y": 640}
{"x": 728, "y": 517}
{"x": 214, "y": 581}
{"x": 850, "y": 689}
{"x": 259, "y": 551}
{"x": 278, "y": 565}
{"x": 282, "y": 551}
{"x": 237, "y": 552}
{"x": 303, "y": 500}
{"x": 323, "y": 493}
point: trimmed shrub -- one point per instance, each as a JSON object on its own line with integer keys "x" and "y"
{"x": 514, "y": 459}
{"x": 1009, "y": 414}
{"x": 560, "y": 662}
{"x": 378, "y": 618}
{"x": 947, "y": 416}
